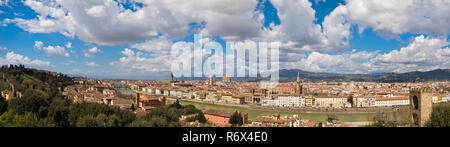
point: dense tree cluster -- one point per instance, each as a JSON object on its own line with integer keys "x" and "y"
{"x": 43, "y": 105}
{"x": 440, "y": 116}
{"x": 236, "y": 119}
{"x": 167, "y": 116}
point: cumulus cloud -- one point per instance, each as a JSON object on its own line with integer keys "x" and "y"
{"x": 157, "y": 47}
{"x": 89, "y": 53}
{"x": 387, "y": 18}
{"x": 13, "y": 58}
{"x": 68, "y": 45}
{"x": 339, "y": 63}
{"x": 91, "y": 64}
{"x": 57, "y": 51}
{"x": 138, "y": 63}
{"x": 299, "y": 32}
{"x": 397, "y": 17}
{"x": 38, "y": 44}
{"x": 422, "y": 54}
{"x": 3, "y": 48}
{"x": 153, "y": 25}
{"x": 108, "y": 22}
{"x": 230, "y": 19}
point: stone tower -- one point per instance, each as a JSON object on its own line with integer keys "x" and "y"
{"x": 299, "y": 89}
{"x": 137, "y": 100}
{"x": 420, "y": 101}
{"x": 171, "y": 76}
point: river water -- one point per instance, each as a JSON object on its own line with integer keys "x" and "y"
{"x": 318, "y": 117}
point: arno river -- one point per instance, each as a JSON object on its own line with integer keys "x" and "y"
{"x": 316, "y": 116}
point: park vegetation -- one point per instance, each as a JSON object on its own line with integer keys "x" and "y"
{"x": 38, "y": 102}
{"x": 236, "y": 119}
{"x": 440, "y": 117}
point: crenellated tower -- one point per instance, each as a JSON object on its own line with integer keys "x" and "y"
{"x": 420, "y": 100}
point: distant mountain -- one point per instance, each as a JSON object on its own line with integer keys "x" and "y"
{"x": 291, "y": 75}
{"x": 434, "y": 75}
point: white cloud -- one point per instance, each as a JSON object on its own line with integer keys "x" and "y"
{"x": 69, "y": 45}
{"x": 230, "y": 19}
{"x": 299, "y": 32}
{"x": 317, "y": 1}
{"x": 91, "y": 64}
{"x": 38, "y": 44}
{"x": 135, "y": 62}
{"x": 336, "y": 28}
{"x": 57, "y": 51}
{"x": 103, "y": 22}
{"x": 397, "y": 17}
{"x": 388, "y": 18}
{"x": 158, "y": 23}
{"x": 107, "y": 22}
{"x": 4, "y": 2}
{"x": 422, "y": 54}
{"x": 3, "y": 48}
{"x": 89, "y": 53}
{"x": 97, "y": 11}
{"x": 339, "y": 63}
{"x": 157, "y": 47}
{"x": 13, "y": 58}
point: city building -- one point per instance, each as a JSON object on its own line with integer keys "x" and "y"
{"x": 391, "y": 101}
{"x": 331, "y": 101}
{"x": 285, "y": 101}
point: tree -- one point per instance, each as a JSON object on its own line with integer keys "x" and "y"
{"x": 350, "y": 100}
{"x": 330, "y": 118}
{"x": 156, "y": 121}
{"x": 89, "y": 121}
{"x": 320, "y": 124}
{"x": 383, "y": 123}
{"x": 190, "y": 109}
{"x": 200, "y": 117}
{"x": 28, "y": 103}
{"x": 13, "y": 119}
{"x": 59, "y": 112}
{"x": 440, "y": 116}
{"x": 176, "y": 104}
{"x": 113, "y": 121}
{"x": 380, "y": 120}
{"x": 132, "y": 107}
{"x": 236, "y": 119}
{"x": 3, "y": 105}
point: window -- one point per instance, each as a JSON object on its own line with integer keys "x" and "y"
{"x": 416, "y": 102}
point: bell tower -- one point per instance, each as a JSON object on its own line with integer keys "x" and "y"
{"x": 420, "y": 101}
{"x": 299, "y": 88}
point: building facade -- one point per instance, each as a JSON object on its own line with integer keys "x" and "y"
{"x": 285, "y": 101}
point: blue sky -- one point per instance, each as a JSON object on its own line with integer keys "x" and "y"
{"x": 315, "y": 43}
